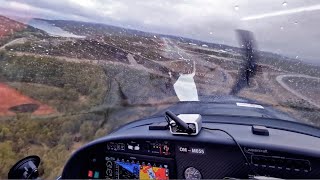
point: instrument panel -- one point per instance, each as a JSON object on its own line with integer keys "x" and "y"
{"x": 209, "y": 155}
{"x": 147, "y": 159}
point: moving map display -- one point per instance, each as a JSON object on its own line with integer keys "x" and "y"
{"x": 129, "y": 169}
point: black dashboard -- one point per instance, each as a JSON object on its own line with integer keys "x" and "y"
{"x": 134, "y": 151}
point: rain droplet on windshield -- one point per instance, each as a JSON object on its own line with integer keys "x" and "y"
{"x": 236, "y": 7}
{"x": 296, "y": 22}
{"x": 284, "y": 4}
{"x": 297, "y": 57}
{"x": 281, "y": 27}
{"x": 211, "y": 33}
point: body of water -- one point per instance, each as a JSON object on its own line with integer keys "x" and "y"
{"x": 51, "y": 29}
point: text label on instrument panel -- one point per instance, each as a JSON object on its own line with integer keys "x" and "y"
{"x": 192, "y": 150}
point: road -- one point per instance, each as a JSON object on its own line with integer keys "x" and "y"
{"x": 135, "y": 65}
{"x": 132, "y": 61}
{"x": 284, "y": 85}
{"x": 209, "y": 77}
{"x": 15, "y": 41}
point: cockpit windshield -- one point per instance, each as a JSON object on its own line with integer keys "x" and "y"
{"x": 73, "y": 70}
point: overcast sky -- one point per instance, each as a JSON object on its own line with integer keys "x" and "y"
{"x": 288, "y": 27}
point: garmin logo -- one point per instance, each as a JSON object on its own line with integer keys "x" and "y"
{"x": 256, "y": 150}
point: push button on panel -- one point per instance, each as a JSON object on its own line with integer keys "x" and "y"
{"x": 90, "y": 174}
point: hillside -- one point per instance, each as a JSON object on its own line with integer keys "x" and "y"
{"x": 11, "y": 29}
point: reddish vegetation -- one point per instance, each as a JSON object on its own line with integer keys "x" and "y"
{"x": 9, "y": 97}
{"x": 9, "y": 27}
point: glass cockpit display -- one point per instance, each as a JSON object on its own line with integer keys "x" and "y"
{"x": 117, "y": 168}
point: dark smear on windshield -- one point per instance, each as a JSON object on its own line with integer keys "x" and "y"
{"x": 248, "y": 70}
